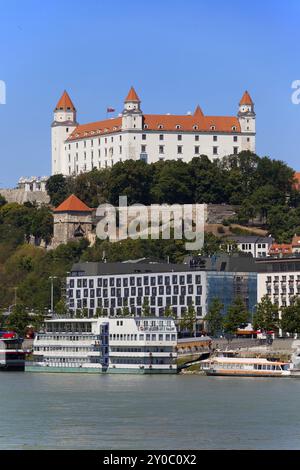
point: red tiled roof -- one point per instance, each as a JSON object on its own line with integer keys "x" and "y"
{"x": 96, "y": 128}
{"x": 72, "y": 204}
{"x": 65, "y": 103}
{"x": 297, "y": 180}
{"x": 198, "y": 111}
{"x": 246, "y": 99}
{"x": 132, "y": 96}
{"x": 155, "y": 122}
{"x": 189, "y": 122}
{"x": 281, "y": 248}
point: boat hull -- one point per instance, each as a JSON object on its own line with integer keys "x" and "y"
{"x": 244, "y": 374}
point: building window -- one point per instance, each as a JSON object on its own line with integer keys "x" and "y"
{"x": 197, "y": 138}
{"x": 197, "y": 150}
{"x": 235, "y": 138}
{"x": 179, "y": 137}
{"x": 179, "y": 149}
{"x": 235, "y": 150}
{"x": 215, "y": 150}
{"x": 161, "y": 149}
{"x": 144, "y": 136}
{"x": 161, "y": 137}
{"x": 143, "y": 148}
{"x": 215, "y": 138}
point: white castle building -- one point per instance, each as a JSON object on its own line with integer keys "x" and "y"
{"x": 150, "y": 137}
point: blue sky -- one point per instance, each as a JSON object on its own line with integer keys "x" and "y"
{"x": 175, "y": 53}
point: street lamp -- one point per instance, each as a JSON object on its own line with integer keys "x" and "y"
{"x": 52, "y": 294}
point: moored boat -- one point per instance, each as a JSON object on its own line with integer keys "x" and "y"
{"x": 12, "y": 356}
{"x": 234, "y": 366}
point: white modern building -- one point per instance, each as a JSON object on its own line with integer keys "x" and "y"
{"x": 109, "y": 288}
{"x": 150, "y": 137}
{"x": 258, "y": 247}
{"x": 279, "y": 279}
{"x": 112, "y": 345}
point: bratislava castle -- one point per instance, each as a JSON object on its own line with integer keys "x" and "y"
{"x": 78, "y": 148}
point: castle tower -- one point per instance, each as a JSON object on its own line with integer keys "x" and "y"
{"x": 247, "y": 117}
{"x": 132, "y": 116}
{"x": 63, "y": 125}
{"x": 72, "y": 221}
{"x": 132, "y": 120}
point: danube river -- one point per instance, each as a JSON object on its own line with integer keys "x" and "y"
{"x": 65, "y": 411}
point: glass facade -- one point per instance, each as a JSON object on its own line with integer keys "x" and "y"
{"x": 227, "y": 286}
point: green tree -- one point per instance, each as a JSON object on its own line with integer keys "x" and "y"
{"x": 214, "y": 317}
{"x": 236, "y": 316}
{"x": 146, "y": 308}
{"x": 266, "y": 316}
{"x": 61, "y": 307}
{"x": 18, "y": 320}
{"x": 169, "y": 312}
{"x": 290, "y": 317}
{"x": 188, "y": 320}
{"x": 57, "y": 189}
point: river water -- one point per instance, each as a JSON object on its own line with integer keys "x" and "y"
{"x": 74, "y": 411}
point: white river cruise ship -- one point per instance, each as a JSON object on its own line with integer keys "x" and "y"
{"x": 112, "y": 345}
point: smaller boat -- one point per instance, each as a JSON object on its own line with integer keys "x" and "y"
{"x": 227, "y": 363}
{"x": 12, "y": 356}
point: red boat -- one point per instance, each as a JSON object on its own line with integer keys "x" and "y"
{"x": 12, "y": 356}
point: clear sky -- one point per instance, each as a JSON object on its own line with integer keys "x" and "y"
{"x": 176, "y": 54}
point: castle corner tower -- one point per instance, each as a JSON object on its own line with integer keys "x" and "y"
{"x": 247, "y": 116}
{"x": 63, "y": 125}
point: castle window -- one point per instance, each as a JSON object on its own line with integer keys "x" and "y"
{"x": 84, "y": 143}
{"x": 179, "y": 137}
{"x": 195, "y": 128}
{"x": 143, "y": 148}
{"x": 161, "y": 149}
{"x": 144, "y": 136}
{"x": 197, "y": 138}
{"x": 145, "y": 126}
{"x": 235, "y": 150}
{"x": 161, "y": 137}
{"x": 98, "y": 141}
{"x": 92, "y": 143}
{"x": 120, "y": 149}
{"x": 179, "y": 149}
{"x": 234, "y": 128}
{"x": 215, "y": 138}
{"x": 197, "y": 150}
{"x": 120, "y": 137}
{"x": 67, "y": 129}
{"x": 212, "y": 128}
{"x": 215, "y": 150}
{"x": 235, "y": 138}
{"x": 248, "y": 139}
{"x": 160, "y": 126}
{"x": 178, "y": 126}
